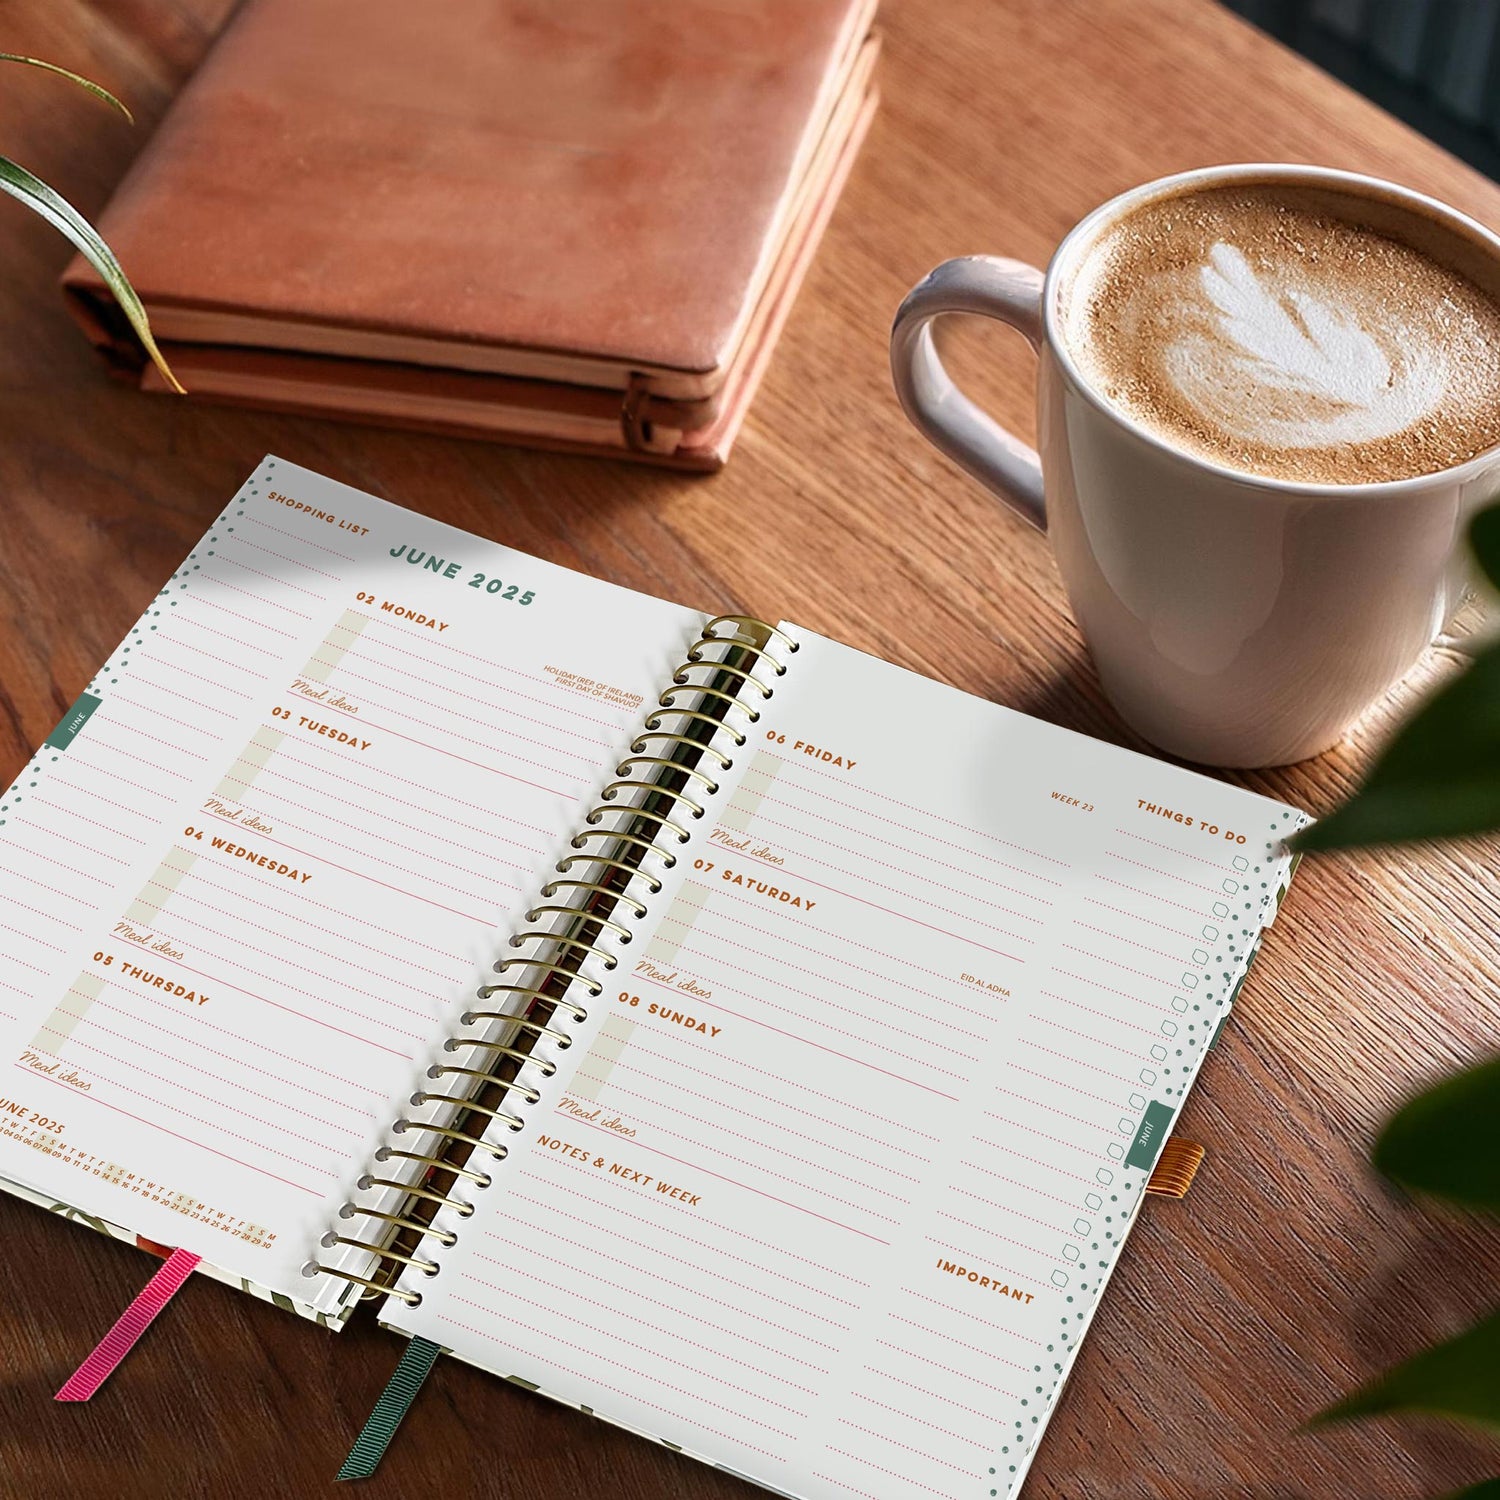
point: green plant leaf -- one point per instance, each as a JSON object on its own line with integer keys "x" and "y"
{"x": 1486, "y": 1489}
{"x": 1456, "y": 1379}
{"x": 97, "y": 90}
{"x": 1438, "y": 778}
{"x": 1484, "y": 538}
{"x": 58, "y": 212}
{"x": 1447, "y": 1140}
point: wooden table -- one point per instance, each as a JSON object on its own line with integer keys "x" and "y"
{"x": 1290, "y": 1273}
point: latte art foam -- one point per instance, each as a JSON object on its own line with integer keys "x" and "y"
{"x": 1322, "y": 374}
{"x": 1270, "y": 330}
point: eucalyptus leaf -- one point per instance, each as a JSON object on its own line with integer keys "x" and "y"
{"x": 1447, "y": 1140}
{"x": 97, "y": 90}
{"x": 57, "y": 211}
{"x": 1438, "y": 778}
{"x": 1486, "y": 1489}
{"x": 1455, "y": 1379}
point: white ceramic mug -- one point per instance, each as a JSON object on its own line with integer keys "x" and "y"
{"x": 1235, "y": 620}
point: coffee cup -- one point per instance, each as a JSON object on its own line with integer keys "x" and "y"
{"x": 1252, "y": 473}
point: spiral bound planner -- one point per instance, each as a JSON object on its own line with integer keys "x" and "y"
{"x": 683, "y": 1016}
{"x": 542, "y": 986}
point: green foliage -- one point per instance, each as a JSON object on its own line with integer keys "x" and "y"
{"x": 1455, "y": 1379}
{"x": 1440, "y": 776}
{"x": 29, "y": 189}
{"x": 1447, "y": 1141}
{"x": 1484, "y": 538}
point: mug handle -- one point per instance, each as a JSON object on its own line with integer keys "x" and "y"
{"x": 1011, "y": 291}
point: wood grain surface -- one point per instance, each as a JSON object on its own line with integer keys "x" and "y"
{"x": 1289, "y": 1274}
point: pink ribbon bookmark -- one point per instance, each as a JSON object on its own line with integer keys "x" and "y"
{"x": 134, "y": 1321}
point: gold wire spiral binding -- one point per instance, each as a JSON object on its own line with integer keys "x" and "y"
{"x": 696, "y": 657}
{"x": 655, "y": 721}
{"x": 562, "y": 1038}
{"x": 709, "y": 784}
{"x": 668, "y": 858}
{"x": 725, "y": 763}
{"x": 558, "y": 940}
{"x": 380, "y": 1288}
{"x": 663, "y": 762}
{"x": 681, "y": 679}
{"x": 536, "y": 912}
{"x": 753, "y": 627}
{"x": 553, "y": 886}
{"x": 548, "y": 967}
{"x": 515, "y": 1122}
{"x": 458, "y": 1205}
{"x": 525, "y": 1090}
{"x": 531, "y": 991}
{"x": 615, "y": 787}
{"x": 545, "y": 1068}
{"x": 653, "y": 885}
{"x": 481, "y": 1073}
{"x": 753, "y": 714}
{"x": 637, "y": 813}
{"x": 330, "y": 1240}
{"x": 386, "y": 1152}
{"x": 444, "y": 1237}
{"x": 448, "y": 1133}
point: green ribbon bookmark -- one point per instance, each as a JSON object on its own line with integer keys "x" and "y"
{"x": 395, "y": 1401}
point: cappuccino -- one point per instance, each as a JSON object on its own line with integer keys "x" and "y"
{"x": 1292, "y": 331}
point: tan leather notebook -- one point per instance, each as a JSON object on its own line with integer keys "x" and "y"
{"x": 576, "y": 225}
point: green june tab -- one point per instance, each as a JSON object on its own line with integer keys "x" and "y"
{"x": 1149, "y": 1139}
{"x": 72, "y": 721}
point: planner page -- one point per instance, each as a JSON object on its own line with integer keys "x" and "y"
{"x": 826, "y": 1190}
{"x": 256, "y": 873}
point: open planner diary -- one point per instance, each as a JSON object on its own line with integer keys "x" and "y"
{"x": 703, "y": 1023}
